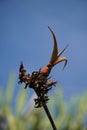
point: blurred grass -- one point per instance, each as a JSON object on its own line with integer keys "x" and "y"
{"x": 67, "y": 116}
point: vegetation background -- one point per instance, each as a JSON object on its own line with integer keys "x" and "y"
{"x": 18, "y": 112}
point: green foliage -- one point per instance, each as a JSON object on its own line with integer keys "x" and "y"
{"x": 14, "y": 101}
{"x": 71, "y": 115}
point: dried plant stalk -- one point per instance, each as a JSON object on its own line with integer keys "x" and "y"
{"x": 40, "y": 81}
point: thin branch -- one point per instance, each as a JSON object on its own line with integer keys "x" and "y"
{"x": 49, "y": 116}
{"x": 48, "y": 113}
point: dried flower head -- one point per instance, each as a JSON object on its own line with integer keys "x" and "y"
{"x": 39, "y": 80}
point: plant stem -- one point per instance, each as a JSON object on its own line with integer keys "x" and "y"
{"x": 47, "y": 112}
{"x": 49, "y": 116}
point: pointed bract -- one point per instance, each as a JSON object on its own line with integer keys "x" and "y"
{"x": 61, "y": 59}
{"x": 55, "y": 48}
{"x": 55, "y": 58}
{"x": 60, "y": 53}
{"x": 56, "y": 54}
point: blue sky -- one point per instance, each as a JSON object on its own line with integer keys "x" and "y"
{"x": 24, "y": 36}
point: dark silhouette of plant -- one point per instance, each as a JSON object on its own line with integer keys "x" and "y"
{"x": 40, "y": 80}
